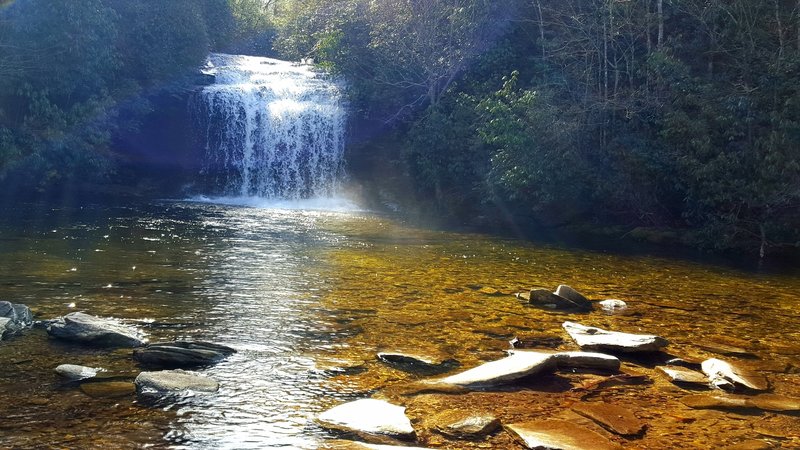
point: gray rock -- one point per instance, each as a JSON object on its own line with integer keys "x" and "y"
{"x": 369, "y": 416}
{"x": 593, "y": 338}
{"x": 181, "y": 354}
{"x": 465, "y": 425}
{"x": 572, "y": 295}
{"x": 718, "y": 370}
{"x": 4, "y": 327}
{"x": 423, "y": 365}
{"x": 88, "y": 329}
{"x": 559, "y": 435}
{"x": 166, "y": 382}
{"x": 74, "y": 372}
{"x": 546, "y": 299}
{"x": 678, "y": 374}
{"x": 612, "y": 305}
{"x": 518, "y": 364}
{"x": 586, "y": 360}
{"x": 14, "y": 318}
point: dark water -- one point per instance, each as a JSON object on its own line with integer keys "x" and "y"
{"x": 307, "y": 298}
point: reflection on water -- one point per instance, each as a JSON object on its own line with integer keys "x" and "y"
{"x": 308, "y": 297}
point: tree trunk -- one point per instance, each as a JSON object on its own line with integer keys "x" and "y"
{"x": 660, "y": 12}
{"x": 541, "y": 27}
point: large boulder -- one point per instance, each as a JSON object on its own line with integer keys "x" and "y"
{"x": 369, "y": 416}
{"x": 593, "y": 338}
{"x": 181, "y": 354}
{"x": 93, "y": 330}
{"x": 167, "y": 382}
{"x": 14, "y": 318}
{"x": 518, "y": 364}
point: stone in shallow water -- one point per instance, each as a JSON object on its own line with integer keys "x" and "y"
{"x": 752, "y": 444}
{"x": 182, "y": 354}
{"x": 715, "y": 401}
{"x": 612, "y": 305}
{"x": 354, "y": 445}
{"x": 108, "y": 389}
{"x": 559, "y": 434}
{"x": 678, "y": 374}
{"x": 14, "y": 318}
{"x": 166, "y": 382}
{"x": 719, "y": 370}
{"x": 774, "y": 402}
{"x": 465, "y": 425}
{"x": 425, "y": 365}
{"x": 369, "y": 416}
{"x": 518, "y": 364}
{"x": 88, "y": 329}
{"x": 546, "y": 299}
{"x": 586, "y": 360}
{"x": 614, "y": 418}
{"x": 74, "y": 372}
{"x": 572, "y": 295}
{"x": 594, "y": 338}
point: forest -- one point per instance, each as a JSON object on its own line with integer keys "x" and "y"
{"x": 675, "y": 115}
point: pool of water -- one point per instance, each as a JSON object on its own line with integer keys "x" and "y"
{"x": 309, "y": 297}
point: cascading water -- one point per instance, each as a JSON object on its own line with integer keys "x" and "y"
{"x": 273, "y": 129}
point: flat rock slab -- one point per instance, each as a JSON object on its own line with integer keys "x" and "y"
{"x": 594, "y": 338}
{"x": 108, "y": 389}
{"x": 678, "y": 374}
{"x": 774, "y": 402}
{"x": 559, "y": 435}
{"x": 354, "y": 445}
{"x": 74, "y": 372}
{"x": 88, "y": 329}
{"x": 715, "y": 401}
{"x": 369, "y": 416}
{"x": 518, "y": 364}
{"x": 587, "y": 360}
{"x": 166, "y": 382}
{"x": 613, "y": 418}
{"x": 181, "y": 354}
{"x": 718, "y": 371}
{"x": 465, "y": 425}
{"x": 423, "y": 365}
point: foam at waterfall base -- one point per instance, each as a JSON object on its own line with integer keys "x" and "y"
{"x": 332, "y": 204}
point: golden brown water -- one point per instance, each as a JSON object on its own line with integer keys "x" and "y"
{"x": 309, "y": 298}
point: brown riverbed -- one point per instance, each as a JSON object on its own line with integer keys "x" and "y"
{"x": 309, "y": 298}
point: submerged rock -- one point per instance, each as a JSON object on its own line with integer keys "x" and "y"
{"x": 354, "y": 445}
{"x": 774, "y": 402}
{"x": 718, "y": 370}
{"x": 166, "y": 382}
{"x": 88, "y": 329}
{"x": 518, "y": 364}
{"x": 613, "y": 418}
{"x": 586, "y": 360}
{"x": 678, "y": 374}
{"x": 465, "y": 425}
{"x": 598, "y": 339}
{"x": 108, "y": 389}
{"x": 424, "y": 365}
{"x": 369, "y": 416}
{"x": 715, "y": 401}
{"x": 559, "y": 434}
{"x": 182, "y": 354}
{"x": 74, "y": 372}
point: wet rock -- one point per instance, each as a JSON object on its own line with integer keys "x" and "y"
{"x": 572, "y": 295}
{"x": 614, "y": 418}
{"x": 727, "y": 350}
{"x": 423, "y": 365}
{"x": 774, "y": 402}
{"x": 88, "y": 329}
{"x": 517, "y": 365}
{"x": 369, "y": 416}
{"x": 536, "y": 342}
{"x": 165, "y": 382}
{"x": 715, "y": 401}
{"x": 559, "y": 434}
{"x": 586, "y": 360}
{"x": 612, "y": 305}
{"x": 353, "y": 445}
{"x": 546, "y": 299}
{"x": 593, "y": 338}
{"x": 14, "y": 318}
{"x": 752, "y": 444}
{"x": 718, "y": 370}
{"x": 465, "y": 425}
{"x": 678, "y": 374}
{"x": 74, "y": 372}
{"x": 181, "y": 354}
{"x": 108, "y": 389}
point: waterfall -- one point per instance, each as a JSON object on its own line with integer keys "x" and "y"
{"x": 272, "y": 129}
